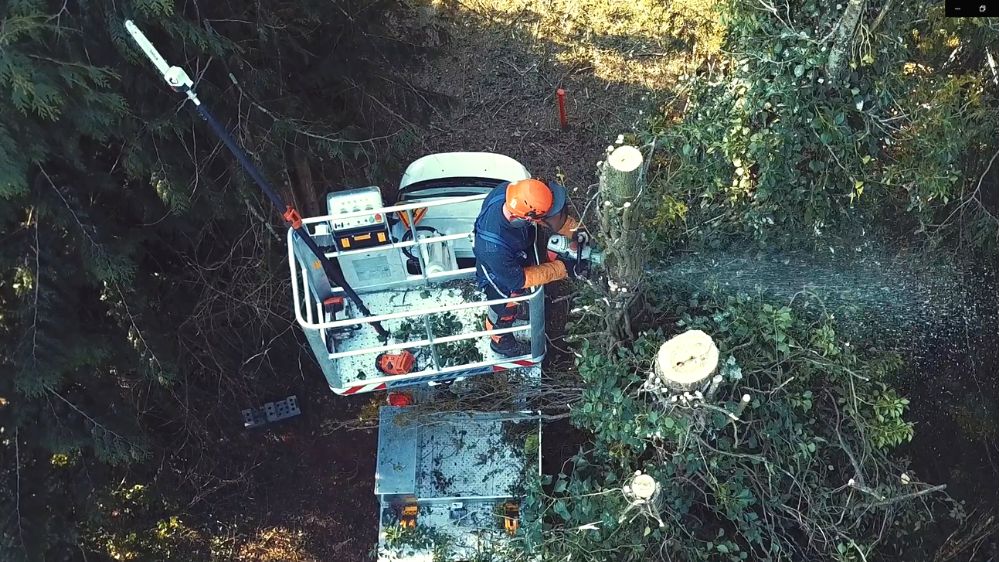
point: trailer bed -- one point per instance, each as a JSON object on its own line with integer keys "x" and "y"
{"x": 459, "y": 469}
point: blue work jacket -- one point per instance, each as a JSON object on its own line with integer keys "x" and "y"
{"x": 502, "y": 248}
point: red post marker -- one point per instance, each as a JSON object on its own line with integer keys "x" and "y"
{"x": 561, "y": 102}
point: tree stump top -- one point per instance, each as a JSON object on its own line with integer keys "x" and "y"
{"x": 687, "y": 359}
{"x": 643, "y": 486}
{"x": 625, "y": 158}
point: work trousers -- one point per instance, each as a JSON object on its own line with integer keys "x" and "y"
{"x": 501, "y": 315}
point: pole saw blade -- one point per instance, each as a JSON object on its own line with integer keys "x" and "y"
{"x": 151, "y": 53}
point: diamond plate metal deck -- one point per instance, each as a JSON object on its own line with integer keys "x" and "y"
{"x": 452, "y": 455}
{"x": 396, "y": 463}
{"x": 357, "y": 369}
{"x": 438, "y": 460}
{"x": 471, "y": 454}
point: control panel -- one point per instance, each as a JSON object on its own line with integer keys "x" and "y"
{"x": 344, "y": 203}
{"x": 361, "y": 231}
{"x": 365, "y": 261}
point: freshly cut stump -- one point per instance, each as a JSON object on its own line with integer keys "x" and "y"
{"x": 620, "y": 177}
{"x": 687, "y": 360}
{"x": 643, "y": 486}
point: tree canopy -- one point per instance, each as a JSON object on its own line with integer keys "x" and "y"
{"x": 141, "y": 269}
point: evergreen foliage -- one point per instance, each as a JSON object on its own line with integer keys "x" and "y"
{"x": 130, "y": 263}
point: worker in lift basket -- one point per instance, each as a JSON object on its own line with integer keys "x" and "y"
{"x": 506, "y": 233}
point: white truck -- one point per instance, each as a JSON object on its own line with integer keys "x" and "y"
{"x": 448, "y": 483}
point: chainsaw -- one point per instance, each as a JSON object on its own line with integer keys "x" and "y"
{"x": 400, "y": 363}
{"x": 576, "y": 250}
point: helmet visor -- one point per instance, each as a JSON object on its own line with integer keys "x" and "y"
{"x": 558, "y": 201}
{"x": 555, "y": 223}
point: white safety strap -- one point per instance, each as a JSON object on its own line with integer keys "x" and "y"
{"x": 492, "y": 283}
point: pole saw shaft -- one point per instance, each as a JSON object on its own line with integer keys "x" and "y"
{"x": 178, "y": 79}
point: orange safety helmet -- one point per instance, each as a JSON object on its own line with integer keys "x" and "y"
{"x": 533, "y": 199}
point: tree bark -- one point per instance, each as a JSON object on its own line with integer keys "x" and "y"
{"x": 303, "y": 193}
{"x": 836, "y": 63}
{"x": 620, "y": 184}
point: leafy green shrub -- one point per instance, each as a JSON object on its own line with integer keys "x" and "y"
{"x": 769, "y": 147}
{"x": 809, "y": 127}
{"x": 804, "y": 472}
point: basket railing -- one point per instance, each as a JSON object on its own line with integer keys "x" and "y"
{"x": 310, "y": 316}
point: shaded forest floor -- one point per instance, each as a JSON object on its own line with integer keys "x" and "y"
{"x": 497, "y": 73}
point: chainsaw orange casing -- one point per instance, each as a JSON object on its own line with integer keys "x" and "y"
{"x": 396, "y": 363}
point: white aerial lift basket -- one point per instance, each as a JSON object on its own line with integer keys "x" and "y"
{"x": 412, "y": 266}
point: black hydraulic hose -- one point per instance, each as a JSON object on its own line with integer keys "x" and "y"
{"x": 241, "y": 156}
{"x": 296, "y": 224}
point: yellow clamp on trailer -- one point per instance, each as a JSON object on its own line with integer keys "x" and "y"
{"x": 511, "y": 517}
{"x": 408, "y": 516}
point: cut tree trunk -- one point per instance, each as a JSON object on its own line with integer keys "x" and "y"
{"x": 686, "y": 361}
{"x": 620, "y": 175}
{"x": 620, "y": 185}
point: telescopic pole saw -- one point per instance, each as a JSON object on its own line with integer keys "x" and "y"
{"x": 179, "y": 80}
